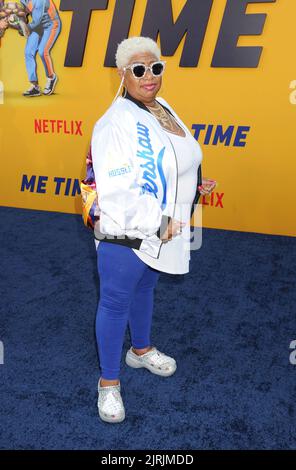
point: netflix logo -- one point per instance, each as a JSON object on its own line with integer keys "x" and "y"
{"x": 58, "y": 126}
{"x": 214, "y": 200}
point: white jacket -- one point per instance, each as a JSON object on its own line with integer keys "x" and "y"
{"x": 136, "y": 175}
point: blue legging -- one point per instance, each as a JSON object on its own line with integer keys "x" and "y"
{"x": 126, "y": 297}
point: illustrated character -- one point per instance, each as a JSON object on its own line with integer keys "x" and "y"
{"x": 13, "y": 15}
{"x": 42, "y": 34}
{"x": 3, "y": 20}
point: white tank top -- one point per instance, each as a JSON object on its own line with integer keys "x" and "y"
{"x": 174, "y": 255}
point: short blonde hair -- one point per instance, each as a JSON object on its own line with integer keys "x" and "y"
{"x": 135, "y": 45}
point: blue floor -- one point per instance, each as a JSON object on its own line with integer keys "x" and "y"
{"x": 228, "y": 323}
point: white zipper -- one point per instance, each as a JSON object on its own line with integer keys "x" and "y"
{"x": 175, "y": 161}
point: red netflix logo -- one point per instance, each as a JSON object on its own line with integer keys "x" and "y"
{"x": 58, "y": 126}
{"x": 214, "y": 200}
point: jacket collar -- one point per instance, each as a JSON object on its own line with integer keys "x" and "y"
{"x": 139, "y": 103}
{"x": 134, "y": 100}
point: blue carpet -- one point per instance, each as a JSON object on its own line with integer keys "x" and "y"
{"x": 228, "y": 323}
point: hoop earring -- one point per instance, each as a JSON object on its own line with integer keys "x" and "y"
{"x": 118, "y": 91}
{"x": 125, "y": 92}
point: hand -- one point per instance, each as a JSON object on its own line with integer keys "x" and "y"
{"x": 174, "y": 228}
{"x": 26, "y": 30}
{"x": 4, "y": 23}
{"x": 207, "y": 186}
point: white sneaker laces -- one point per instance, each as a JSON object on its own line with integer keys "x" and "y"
{"x": 33, "y": 88}
{"x": 48, "y": 82}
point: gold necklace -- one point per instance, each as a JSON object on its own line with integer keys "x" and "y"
{"x": 164, "y": 118}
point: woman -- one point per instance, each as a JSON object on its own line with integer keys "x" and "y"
{"x": 147, "y": 166}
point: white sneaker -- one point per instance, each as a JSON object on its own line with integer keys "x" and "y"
{"x": 154, "y": 360}
{"x": 50, "y": 85}
{"x": 110, "y": 403}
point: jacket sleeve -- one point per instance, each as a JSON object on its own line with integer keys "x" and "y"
{"x": 120, "y": 194}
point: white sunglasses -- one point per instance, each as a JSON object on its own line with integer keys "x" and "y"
{"x": 139, "y": 70}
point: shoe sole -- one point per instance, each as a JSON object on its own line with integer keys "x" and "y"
{"x": 131, "y": 362}
{"x": 31, "y": 96}
{"x": 53, "y": 88}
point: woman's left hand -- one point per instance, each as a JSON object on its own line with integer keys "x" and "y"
{"x": 207, "y": 186}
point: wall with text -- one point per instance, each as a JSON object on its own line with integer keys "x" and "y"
{"x": 230, "y": 75}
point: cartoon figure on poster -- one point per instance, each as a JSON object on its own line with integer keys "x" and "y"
{"x": 41, "y": 34}
{"x": 13, "y": 15}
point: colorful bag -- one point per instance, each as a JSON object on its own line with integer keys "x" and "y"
{"x": 89, "y": 195}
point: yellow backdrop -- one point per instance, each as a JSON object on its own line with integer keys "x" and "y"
{"x": 255, "y": 182}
